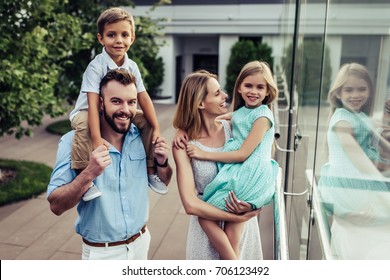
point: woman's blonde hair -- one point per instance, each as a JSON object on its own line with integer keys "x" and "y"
{"x": 192, "y": 92}
{"x": 250, "y": 69}
{"x": 346, "y": 71}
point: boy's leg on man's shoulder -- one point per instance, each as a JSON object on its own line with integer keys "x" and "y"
{"x": 81, "y": 146}
{"x": 146, "y": 130}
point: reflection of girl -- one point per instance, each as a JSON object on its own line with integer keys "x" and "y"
{"x": 350, "y": 185}
{"x": 247, "y": 169}
{"x": 201, "y": 101}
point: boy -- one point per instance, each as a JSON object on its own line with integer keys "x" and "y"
{"x": 116, "y": 33}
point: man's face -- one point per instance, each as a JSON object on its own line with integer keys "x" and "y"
{"x": 119, "y": 105}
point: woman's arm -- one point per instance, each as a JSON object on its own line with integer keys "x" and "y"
{"x": 191, "y": 203}
{"x": 259, "y": 128}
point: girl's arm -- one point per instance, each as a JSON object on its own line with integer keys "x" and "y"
{"x": 191, "y": 203}
{"x": 259, "y": 128}
{"x": 147, "y": 107}
{"x": 94, "y": 120}
{"x": 355, "y": 153}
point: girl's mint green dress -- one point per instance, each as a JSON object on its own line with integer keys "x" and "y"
{"x": 254, "y": 179}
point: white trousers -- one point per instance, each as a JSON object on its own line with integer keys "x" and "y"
{"x": 137, "y": 250}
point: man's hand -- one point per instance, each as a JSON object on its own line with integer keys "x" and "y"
{"x": 100, "y": 159}
{"x": 161, "y": 150}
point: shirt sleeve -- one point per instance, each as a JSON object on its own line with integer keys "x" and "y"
{"x": 261, "y": 112}
{"x": 138, "y": 78}
{"x": 62, "y": 173}
{"x": 91, "y": 78}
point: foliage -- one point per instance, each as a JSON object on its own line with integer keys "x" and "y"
{"x": 60, "y": 127}
{"x": 31, "y": 180}
{"x": 38, "y": 38}
{"x": 312, "y": 60}
{"x": 44, "y": 49}
{"x": 243, "y": 52}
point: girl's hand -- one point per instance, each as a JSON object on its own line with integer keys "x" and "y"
{"x": 181, "y": 140}
{"x": 227, "y": 116}
{"x": 236, "y": 206}
{"x": 195, "y": 152}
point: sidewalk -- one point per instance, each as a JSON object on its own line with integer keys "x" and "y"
{"x": 29, "y": 230}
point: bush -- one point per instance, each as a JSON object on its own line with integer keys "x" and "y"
{"x": 311, "y": 68}
{"x": 243, "y": 52}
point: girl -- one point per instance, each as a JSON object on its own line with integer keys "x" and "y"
{"x": 352, "y": 189}
{"x": 246, "y": 167}
{"x": 200, "y": 102}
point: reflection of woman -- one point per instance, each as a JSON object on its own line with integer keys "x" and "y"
{"x": 201, "y": 101}
{"x": 351, "y": 187}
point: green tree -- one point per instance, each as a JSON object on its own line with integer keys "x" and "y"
{"x": 38, "y": 38}
{"x": 243, "y": 52}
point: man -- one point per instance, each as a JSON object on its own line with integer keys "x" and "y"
{"x": 112, "y": 226}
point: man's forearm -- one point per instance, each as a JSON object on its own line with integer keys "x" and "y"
{"x": 68, "y": 196}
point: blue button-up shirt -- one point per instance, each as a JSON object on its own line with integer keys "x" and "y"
{"x": 123, "y": 208}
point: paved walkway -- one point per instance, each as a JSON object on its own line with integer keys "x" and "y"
{"x": 29, "y": 230}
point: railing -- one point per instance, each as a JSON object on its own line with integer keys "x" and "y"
{"x": 317, "y": 215}
{"x": 280, "y": 222}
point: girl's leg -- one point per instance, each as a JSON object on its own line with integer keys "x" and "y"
{"x": 218, "y": 239}
{"x": 233, "y": 232}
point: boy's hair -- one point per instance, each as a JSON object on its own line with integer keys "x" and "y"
{"x": 192, "y": 92}
{"x": 114, "y": 15}
{"x": 250, "y": 69}
{"x": 120, "y": 75}
{"x": 347, "y": 70}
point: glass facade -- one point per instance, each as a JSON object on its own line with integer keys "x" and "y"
{"x": 334, "y": 122}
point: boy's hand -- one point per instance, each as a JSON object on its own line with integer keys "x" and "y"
{"x": 100, "y": 159}
{"x": 181, "y": 140}
{"x": 156, "y": 134}
{"x": 106, "y": 143}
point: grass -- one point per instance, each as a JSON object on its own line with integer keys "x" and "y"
{"x": 26, "y": 179}
{"x": 31, "y": 180}
{"x": 60, "y": 127}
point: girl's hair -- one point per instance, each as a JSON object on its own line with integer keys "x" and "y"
{"x": 346, "y": 71}
{"x": 114, "y": 15}
{"x": 192, "y": 92}
{"x": 250, "y": 69}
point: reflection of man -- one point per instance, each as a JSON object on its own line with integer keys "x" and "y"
{"x": 112, "y": 226}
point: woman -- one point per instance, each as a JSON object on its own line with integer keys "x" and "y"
{"x": 201, "y": 101}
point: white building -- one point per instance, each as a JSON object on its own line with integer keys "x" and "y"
{"x": 200, "y": 34}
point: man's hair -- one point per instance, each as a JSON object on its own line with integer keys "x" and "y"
{"x": 120, "y": 75}
{"x": 114, "y": 15}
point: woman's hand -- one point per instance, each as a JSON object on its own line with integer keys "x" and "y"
{"x": 236, "y": 206}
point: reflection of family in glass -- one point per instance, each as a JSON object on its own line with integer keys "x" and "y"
{"x": 353, "y": 184}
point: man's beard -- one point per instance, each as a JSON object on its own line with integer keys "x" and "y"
{"x": 111, "y": 122}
